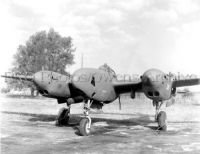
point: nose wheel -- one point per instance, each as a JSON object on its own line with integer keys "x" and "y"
{"x": 85, "y": 126}
{"x": 162, "y": 125}
{"x": 85, "y": 123}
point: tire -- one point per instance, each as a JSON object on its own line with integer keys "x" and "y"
{"x": 84, "y": 127}
{"x": 63, "y": 117}
{"x": 162, "y": 121}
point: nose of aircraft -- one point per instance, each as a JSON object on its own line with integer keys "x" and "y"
{"x": 152, "y": 77}
{"x": 39, "y": 80}
{"x": 37, "y": 77}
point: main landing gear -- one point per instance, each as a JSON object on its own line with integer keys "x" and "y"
{"x": 160, "y": 116}
{"x": 63, "y": 116}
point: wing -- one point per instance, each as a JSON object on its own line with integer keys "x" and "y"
{"x": 125, "y": 87}
{"x": 19, "y": 77}
{"x": 186, "y": 82}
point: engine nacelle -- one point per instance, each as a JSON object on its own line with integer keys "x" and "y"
{"x": 52, "y": 84}
{"x": 156, "y": 85}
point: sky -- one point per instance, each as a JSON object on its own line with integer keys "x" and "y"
{"x": 129, "y": 35}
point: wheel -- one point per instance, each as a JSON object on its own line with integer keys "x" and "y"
{"x": 162, "y": 121}
{"x": 84, "y": 127}
{"x": 63, "y": 117}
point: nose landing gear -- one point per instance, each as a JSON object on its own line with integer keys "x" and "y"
{"x": 160, "y": 116}
{"x": 85, "y": 127}
{"x": 85, "y": 123}
{"x": 162, "y": 121}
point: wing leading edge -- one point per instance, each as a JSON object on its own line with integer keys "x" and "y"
{"x": 186, "y": 82}
{"x": 136, "y": 86}
{"x": 125, "y": 87}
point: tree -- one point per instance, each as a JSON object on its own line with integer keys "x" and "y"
{"x": 43, "y": 51}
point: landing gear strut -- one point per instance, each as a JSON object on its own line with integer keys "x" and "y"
{"x": 160, "y": 116}
{"x": 85, "y": 123}
{"x": 63, "y": 116}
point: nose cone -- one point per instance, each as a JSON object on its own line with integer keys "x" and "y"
{"x": 37, "y": 77}
{"x": 152, "y": 77}
{"x": 39, "y": 80}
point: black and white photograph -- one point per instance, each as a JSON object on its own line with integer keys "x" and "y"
{"x": 100, "y": 77}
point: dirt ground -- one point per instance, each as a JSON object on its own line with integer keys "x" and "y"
{"x": 28, "y": 126}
